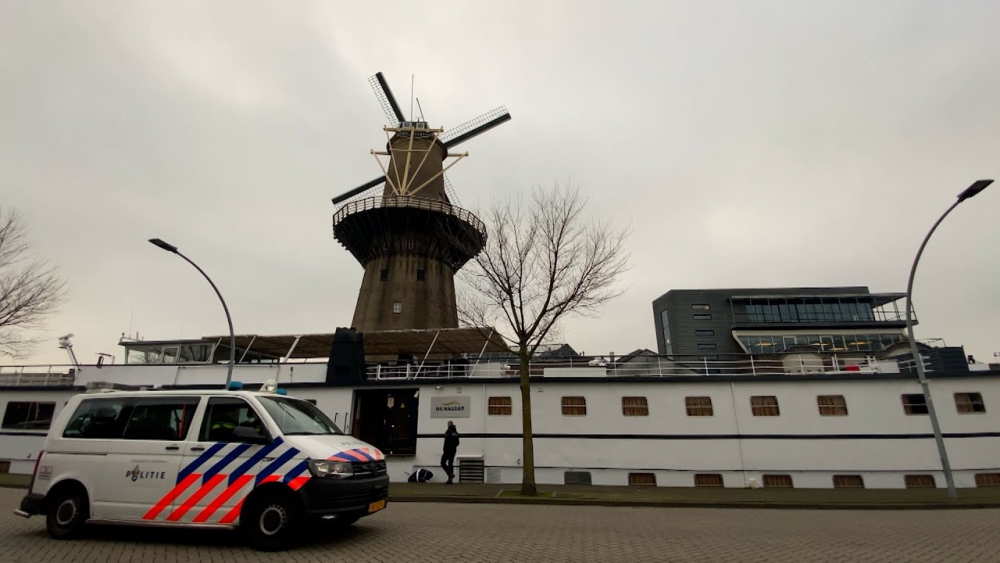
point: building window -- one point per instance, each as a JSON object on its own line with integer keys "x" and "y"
{"x": 848, "y": 482}
{"x": 701, "y": 306}
{"x": 421, "y": 275}
{"x": 635, "y": 406}
{"x": 642, "y": 479}
{"x": 832, "y": 405}
{"x": 778, "y": 481}
{"x": 704, "y": 332}
{"x": 914, "y": 404}
{"x": 383, "y": 275}
{"x": 764, "y": 405}
{"x": 706, "y": 346}
{"x": 500, "y": 406}
{"x": 397, "y": 307}
{"x": 988, "y": 479}
{"x": 702, "y": 316}
{"x": 698, "y": 406}
{"x": 28, "y": 416}
{"x": 574, "y": 406}
{"x": 970, "y": 403}
{"x": 920, "y": 482}
{"x": 708, "y": 480}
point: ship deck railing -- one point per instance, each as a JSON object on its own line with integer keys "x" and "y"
{"x": 38, "y": 375}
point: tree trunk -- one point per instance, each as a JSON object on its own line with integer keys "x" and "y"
{"x": 528, "y": 471}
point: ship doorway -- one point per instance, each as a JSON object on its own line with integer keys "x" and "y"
{"x": 387, "y": 419}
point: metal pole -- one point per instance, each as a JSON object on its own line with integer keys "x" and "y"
{"x": 919, "y": 361}
{"x": 232, "y": 335}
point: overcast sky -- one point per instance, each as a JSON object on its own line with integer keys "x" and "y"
{"x": 751, "y": 144}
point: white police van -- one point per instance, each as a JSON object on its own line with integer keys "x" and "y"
{"x": 261, "y": 462}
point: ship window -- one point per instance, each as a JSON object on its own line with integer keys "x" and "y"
{"x": 919, "y": 482}
{"x": 708, "y": 480}
{"x": 383, "y": 275}
{"x": 574, "y": 406}
{"x": 832, "y": 405}
{"x": 698, "y": 406}
{"x": 914, "y": 404}
{"x": 970, "y": 403}
{"x": 421, "y": 275}
{"x": 848, "y": 482}
{"x": 642, "y": 479}
{"x": 988, "y": 479}
{"x": 397, "y": 307}
{"x": 778, "y": 481}
{"x": 702, "y": 316}
{"x": 762, "y": 405}
{"x": 28, "y": 416}
{"x": 701, "y": 306}
{"x": 500, "y": 406}
{"x": 635, "y": 406}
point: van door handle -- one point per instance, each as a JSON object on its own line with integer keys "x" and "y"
{"x": 198, "y": 448}
{"x": 172, "y": 448}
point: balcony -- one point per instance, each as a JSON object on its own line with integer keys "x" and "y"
{"x": 803, "y": 311}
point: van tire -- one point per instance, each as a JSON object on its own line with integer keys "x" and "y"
{"x": 271, "y": 521}
{"x": 67, "y": 512}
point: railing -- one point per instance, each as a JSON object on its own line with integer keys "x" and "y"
{"x": 37, "y": 375}
{"x": 369, "y": 203}
{"x": 639, "y": 366}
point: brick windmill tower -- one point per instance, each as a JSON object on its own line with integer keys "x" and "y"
{"x": 402, "y": 226}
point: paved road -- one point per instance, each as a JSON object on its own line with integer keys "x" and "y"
{"x": 410, "y": 532}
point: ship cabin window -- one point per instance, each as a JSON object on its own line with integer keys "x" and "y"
{"x": 988, "y": 479}
{"x": 28, "y": 415}
{"x": 832, "y": 405}
{"x": 914, "y": 403}
{"x": 574, "y": 406}
{"x": 970, "y": 403}
{"x": 848, "y": 482}
{"x": 635, "y": 406}
{"x": 764, "y": 405}
{"x": 778, "y": 481}
{"x": 701, "y": 306}
{"x": 642, "y": 479}
{"x": 500, "y": 406}
{"x": 919, "y": 482}
{"x": 698, "y": 406}
{"x": 169, "y": 353}
{"x": 708, "y": 480}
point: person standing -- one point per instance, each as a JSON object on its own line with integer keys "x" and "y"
{"x": 450, "y": 448}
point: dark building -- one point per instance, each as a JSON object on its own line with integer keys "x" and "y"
{"x": 710, "y": 322}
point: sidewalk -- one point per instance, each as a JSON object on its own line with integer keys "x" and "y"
{"x": 597, "y": 495}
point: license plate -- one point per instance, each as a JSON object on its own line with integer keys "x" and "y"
{"x": 376, "y": 506}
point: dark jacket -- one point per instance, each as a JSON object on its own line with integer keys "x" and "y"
{"x": 451, "y": 440}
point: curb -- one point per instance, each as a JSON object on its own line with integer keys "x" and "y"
{"x": 696, "y": 504}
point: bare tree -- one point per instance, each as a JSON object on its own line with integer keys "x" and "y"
{"x": 29, "y": 288}
{"x": 539, "y": 266}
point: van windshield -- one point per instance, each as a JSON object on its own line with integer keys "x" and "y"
{"x": 294, "y": 416}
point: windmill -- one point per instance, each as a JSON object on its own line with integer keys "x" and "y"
{"x": 402, "y": 227}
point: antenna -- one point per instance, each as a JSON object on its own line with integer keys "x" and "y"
{"x": 421, "y": 110}
{"x": 412, "y": 82}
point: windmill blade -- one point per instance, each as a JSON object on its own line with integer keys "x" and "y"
{"x": 477, "y": 126}
{"x": 450, "y": 191}
{"x": 386, "y": 99}
{"x": 363, "y": 187}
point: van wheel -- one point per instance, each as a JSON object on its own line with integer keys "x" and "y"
{"x": 67, "y": 512}
{"x": 270, "y": 523}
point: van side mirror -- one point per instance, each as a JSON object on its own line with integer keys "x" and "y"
{"x": 248, "y": 435}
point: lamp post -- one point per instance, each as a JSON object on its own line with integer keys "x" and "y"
{"x": 969, "y": 192}
{"x": 232, "y": 336}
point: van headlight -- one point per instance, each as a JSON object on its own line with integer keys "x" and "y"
{"x": 331, "y": 469}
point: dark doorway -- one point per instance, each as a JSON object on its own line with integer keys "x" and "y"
{"x": 387, "y": 419}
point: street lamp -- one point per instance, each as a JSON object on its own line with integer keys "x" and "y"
{"x": 969, "y": 192}
{"x": 232, "y": 336}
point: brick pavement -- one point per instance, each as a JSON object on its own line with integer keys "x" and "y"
{"x": 470, "y": 532}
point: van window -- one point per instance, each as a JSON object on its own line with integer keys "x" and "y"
{"x": 161, "y": 418}
{"x": 99, "y": 419}
{"x": 298, "y": 417}
{"x": 224, "y": 414}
